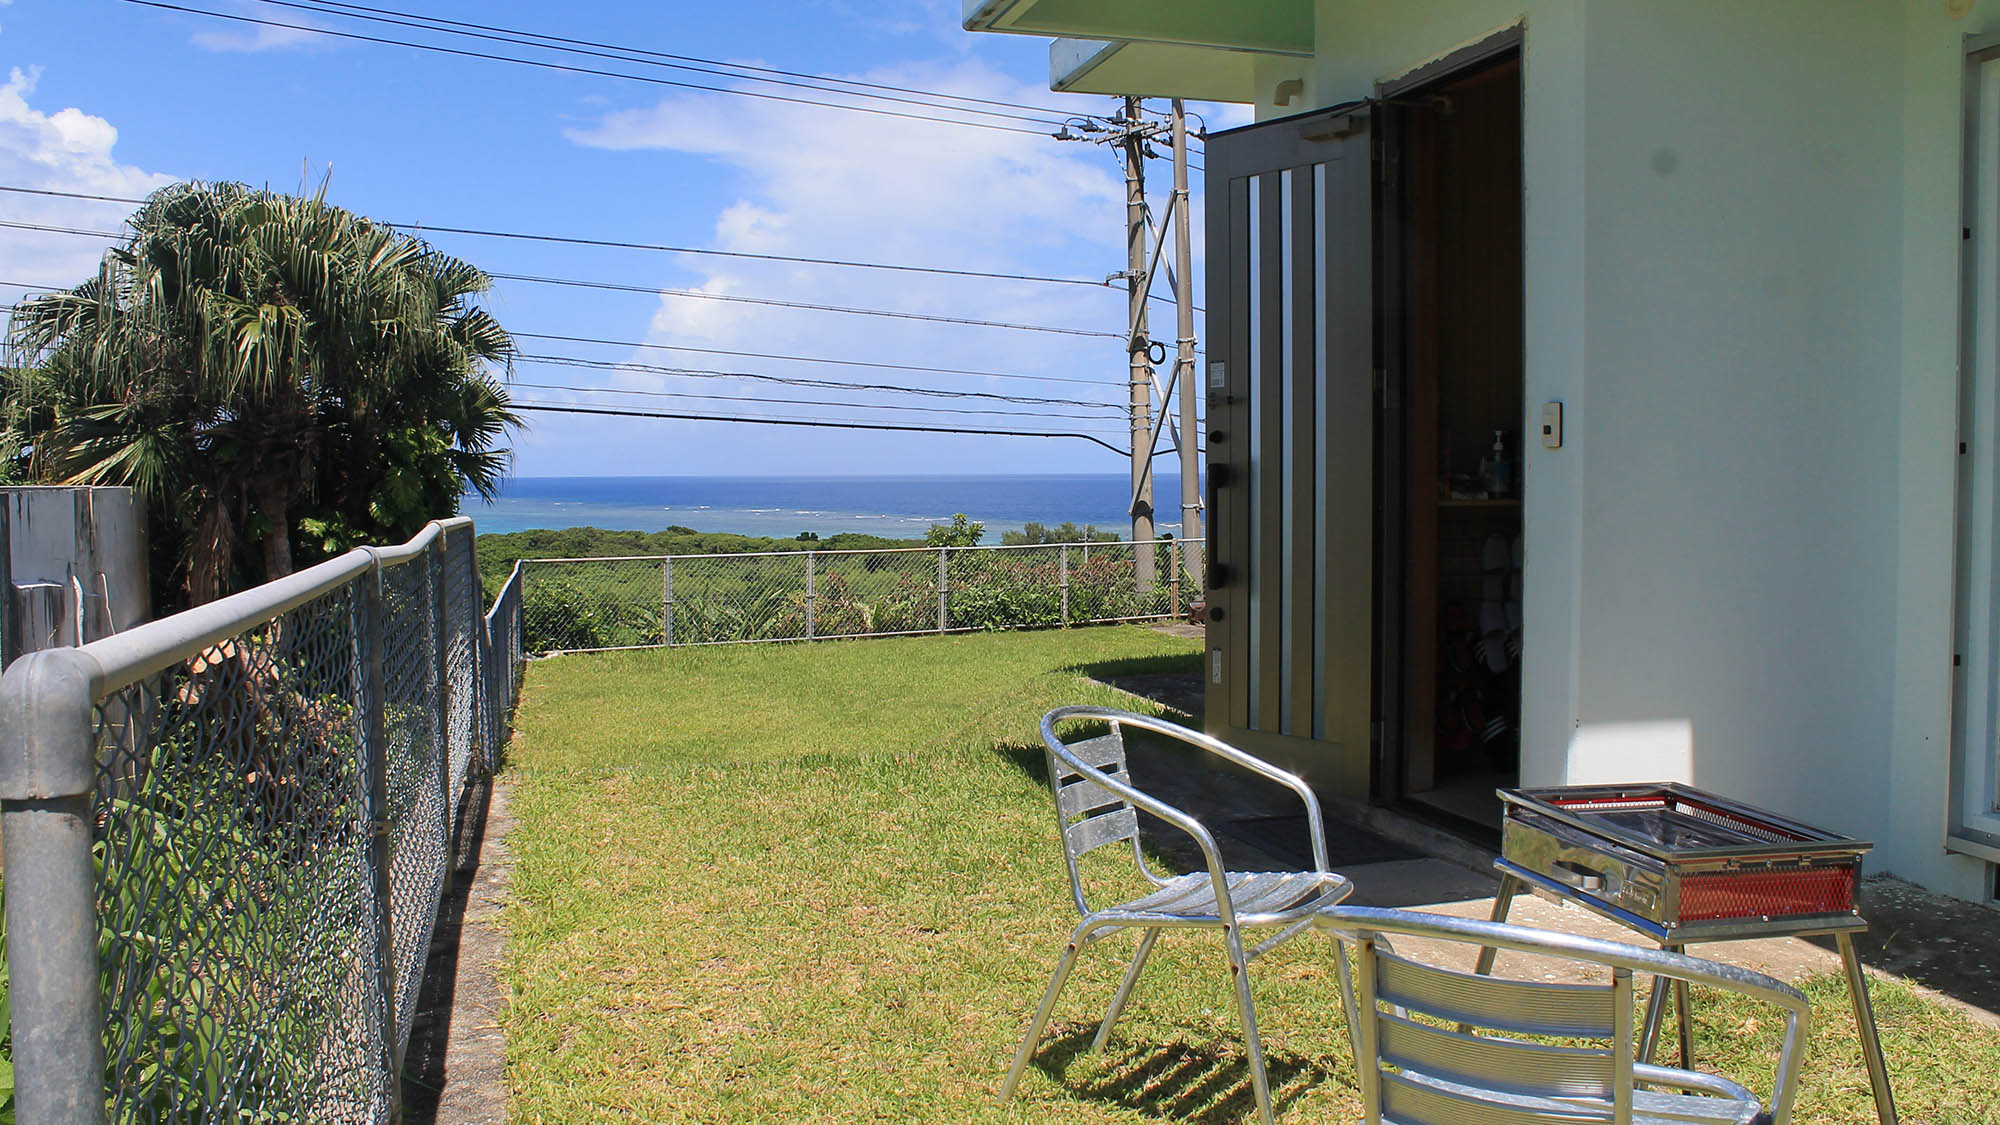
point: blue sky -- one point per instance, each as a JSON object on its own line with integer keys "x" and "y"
{"x": 114, "y": 98}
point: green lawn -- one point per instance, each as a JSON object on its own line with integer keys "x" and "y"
{"x": 812, "y": 883}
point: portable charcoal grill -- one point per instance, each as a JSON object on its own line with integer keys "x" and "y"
{"x": 1682, "y": 866}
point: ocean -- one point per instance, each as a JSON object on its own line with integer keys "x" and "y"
{"x": 783, "y": 507}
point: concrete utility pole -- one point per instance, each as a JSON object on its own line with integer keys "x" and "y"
{"x": 1137, "y": 277}
{"x": 1184, "y": 380}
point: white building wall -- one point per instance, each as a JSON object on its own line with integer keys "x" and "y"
{"x": 1742, "y": 281}
{"x": 1737, "y": 603}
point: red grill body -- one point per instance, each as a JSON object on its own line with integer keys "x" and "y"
{"x": 1680, "y": 863}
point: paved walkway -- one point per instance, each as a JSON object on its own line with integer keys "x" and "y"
{"x": 1948, "y": 948}
{"x": 1944, "y": 946}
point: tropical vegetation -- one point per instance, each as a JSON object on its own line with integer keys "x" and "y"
{"x": 277, "y": 377}
{"x": 1033, "y": 533}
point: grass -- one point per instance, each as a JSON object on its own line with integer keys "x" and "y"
{"x": 791, "y": 883}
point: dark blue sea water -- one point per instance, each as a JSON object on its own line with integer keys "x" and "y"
{"x": 897, "y": 507}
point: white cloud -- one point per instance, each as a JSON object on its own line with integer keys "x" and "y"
{"x": 68, "y": 150}
{"x": 244, "y": 38}
{"x": 829, "y": 184}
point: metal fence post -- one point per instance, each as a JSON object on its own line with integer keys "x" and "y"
{"x": 441, "y": 701}
{"x": 8, "y": 649}
{"x": 667, "y": 601}
{"x": 1064, "y": 583}
{"x": 810, "y": 574}
{"x": 473, "y": 621}
{"x": 373, "y": 641}
{"x": 48, "y": 773}
{"x": 1174, "y": 561}
{"x": 943, "y": 615}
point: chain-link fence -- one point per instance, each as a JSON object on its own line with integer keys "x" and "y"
{"x": 583, "y": 605}
{"x": 227, "y": 833}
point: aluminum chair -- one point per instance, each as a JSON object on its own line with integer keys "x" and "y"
{"x": 1097, "y": 804}
{"x": 1477, "y": 1058}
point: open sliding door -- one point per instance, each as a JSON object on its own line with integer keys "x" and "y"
{"x": 1292, "y": 400}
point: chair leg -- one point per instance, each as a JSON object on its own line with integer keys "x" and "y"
{"x": 1117, "y": 1007}
{"x": 1041, "y": 1021}
{"x": 1239, "y": 969}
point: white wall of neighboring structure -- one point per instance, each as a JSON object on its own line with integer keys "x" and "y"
{"x": 61, "y": 539}
{"x": 1742, "y": 281}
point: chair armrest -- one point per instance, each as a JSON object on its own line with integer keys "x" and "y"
{"x": 1146, "y": 802}
{"x": 1315, "y": 824}
{"x": 1692, "y": 1080}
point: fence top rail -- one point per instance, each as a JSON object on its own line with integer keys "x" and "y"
{"x": 1108, "y": 543}
{"x": 510, "y": 587}
{"x": 123, "y": 659}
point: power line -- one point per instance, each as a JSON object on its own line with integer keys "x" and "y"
{"x": 568, "y": 408}
{"x": 62, "y": 230}
{"x": 73, "y": 195}
{"x": 899, "y": 407}
{"x": 800, "y": 381}
{"x": 695, "y": 58}
{"x": 829, "y": 360}
{"x": 935, "y": 318}
{"x": 614, "y": 244}
{"x": 773, "y": 302}
{"x": 625, "y": 54}
{"x": 807, "y": 359}
{"x": 545, "y": 65}
{"x": 602, "y": 242}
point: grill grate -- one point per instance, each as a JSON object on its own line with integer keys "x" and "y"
{"x": 1767, "y": 894}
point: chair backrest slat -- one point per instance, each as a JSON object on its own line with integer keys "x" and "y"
{"x": 1519, "y": 1067}
{"x": 1413, "y": 1103}
{"x": 1506, "y": 1062}
{"x": 1097, "y": 831}
{"x": 1518, "y": 1006}
{"x": 1079, "y": 797}
{"x": 1105, "y": 752}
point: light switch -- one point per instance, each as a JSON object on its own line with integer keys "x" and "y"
{"x": 1552, "y": 425}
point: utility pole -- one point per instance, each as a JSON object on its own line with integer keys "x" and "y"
{"x": 1184, "y": 381}
{"x": 1144, "y": 248}
{"x": 1137, "y": 277}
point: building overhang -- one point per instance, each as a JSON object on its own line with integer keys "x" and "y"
{"x": 1167, "y": 70}
{"x": 1283, "y": 27}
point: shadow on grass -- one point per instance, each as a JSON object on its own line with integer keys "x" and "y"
{"x": 1173, "y": 664}
{"x": 1030, "y": 759}
{"x": 1945, "y": 944}
{"x": 1176, "y": 1081}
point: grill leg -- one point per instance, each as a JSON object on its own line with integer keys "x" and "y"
{"x": 1684, "y": 1022}
{"x": 1864, "y": 1024}
{"x": 1503, "y": 901}
{"x": 1656, "y": 1010}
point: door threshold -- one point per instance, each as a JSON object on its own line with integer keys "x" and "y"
{"x": 1475, "y": 832}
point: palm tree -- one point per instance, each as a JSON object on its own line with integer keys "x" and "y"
{"x": 235, "y": 341}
